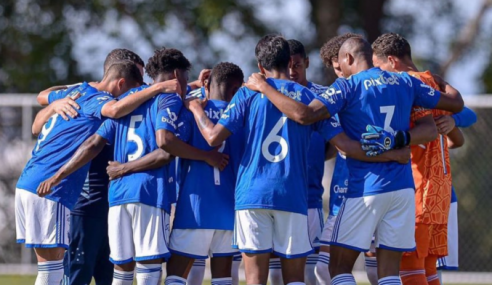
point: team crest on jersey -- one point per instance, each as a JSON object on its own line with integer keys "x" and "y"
{"x": 381, "y": 80}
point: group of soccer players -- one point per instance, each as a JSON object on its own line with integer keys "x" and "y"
{"x": 95, "y": 199}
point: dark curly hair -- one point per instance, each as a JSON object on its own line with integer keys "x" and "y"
{"x": 273, "y": 52}
{"x": 225, "y": 72}
{"x": 391, "y": 44}
{"x": 166, "y": 60}
{"x": 330, "y": 49}
{"x": 296, "y": 47}
{"x": 120, "y": 54}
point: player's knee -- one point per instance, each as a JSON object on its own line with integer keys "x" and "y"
{"x": 130, "y": 266}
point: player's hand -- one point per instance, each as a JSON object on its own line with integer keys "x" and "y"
{"x": 401, "y": 155}
{"x": 195, "y": 102}
{"x": 445, "y": 124}
{"x": 204, "y": 76}
{"x": 376, "y": 140}
{"x": 45, "y": 187}
{"x": 256, "y": 82}
{"x": 67, "y": 107}
{"x": 169, "y": 86}
{"x": 217, "y": 159}
{"x": 115, "y": 170}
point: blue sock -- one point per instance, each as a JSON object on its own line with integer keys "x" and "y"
{"x": 390, "y": 280}
{"x": 343, "y": 279}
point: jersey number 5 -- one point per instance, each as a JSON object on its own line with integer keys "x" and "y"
{"x": 132, "y": 136}
{"x": 273, "y": 137}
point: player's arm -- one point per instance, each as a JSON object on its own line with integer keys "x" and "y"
{"x": 85, "y": 153}
{"x": 65, "y": 107}
{"x": 170, "y": 143}
{"x": 463, "y": 119}
{"x": 296, "y": 111}
{"x": 425, "y": 130}
{"x": 450, "y": 99}
{"x": 43, "y": 96}
{"x": 353, "y": 149}
{"x": 153, "y": 160}
{"x": 200, "y": 82}
{"x": 455, "y": 138}
{"x": 214, "y": 134}
{"x": 118, "y": 108}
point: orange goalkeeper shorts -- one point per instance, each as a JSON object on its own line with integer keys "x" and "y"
{"x": 430, "y": 240}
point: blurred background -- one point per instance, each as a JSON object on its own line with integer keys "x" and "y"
{"x": 45, "y": 43}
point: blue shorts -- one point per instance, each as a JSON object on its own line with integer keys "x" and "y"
{"x": 88, "y": 253}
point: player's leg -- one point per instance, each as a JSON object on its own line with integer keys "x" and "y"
{"x": 222, "y": 254}
{"x": 197, "y": 272}
{"x": 253, "y": 236}
{"x": 120, "y": 233}
{"x": 315, "y": 226}
{"x": 275, "y": 270}
{"x": 150, "y": 236}
{"x": 438, "y": 248}
{"x": 292, "y": 243}
{"x": 236, "y": 262}
{"x": 371, "y": 265}
{"x": 103, "y": 269}
{"x": 431, "y": 270}
{"x": 43, "y": 225}
{"x": 450, "y": 262}
{"x": 322, "y": 266}
{"x": 352, "y": 233}
{"x": 412, "y": 267}
{"x": 187, "y": 245}
{"x": 395, "y": 233}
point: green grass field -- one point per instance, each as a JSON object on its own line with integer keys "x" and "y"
{"x": 29, "y": 280}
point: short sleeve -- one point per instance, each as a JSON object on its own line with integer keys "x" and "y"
{"x": 60, "y": 94}
{"x": 94, "y": 104}
{"x": 108, "y": 130}
{"x": 328, "y": 128}
{"x": 184, "y": 126}
{"x": 168, "y": 110}
{"x": 234, "y": 116}
{"x": 335, "y": 97}
{"x": 425, "y": 95}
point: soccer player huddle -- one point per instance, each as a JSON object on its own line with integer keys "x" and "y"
{"x": 243, "y": 165}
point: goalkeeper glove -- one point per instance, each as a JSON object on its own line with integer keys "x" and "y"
{"x": 377, "y": 140}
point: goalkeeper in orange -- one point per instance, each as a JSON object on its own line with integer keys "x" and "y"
{"x": 431, "y": 170}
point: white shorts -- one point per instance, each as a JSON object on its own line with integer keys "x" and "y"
{"x": 202, "y": 243}
{"x": 137, "y": 232}
{"x": 450, "y": 262}
{"x": 263, "y": 230}
{"x": 41, "y": 223}
{"x": 328, "y": 230}
{"x": 390, "y": 217}
{"x": 315, "y": 225}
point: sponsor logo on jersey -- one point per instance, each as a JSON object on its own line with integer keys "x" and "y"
{"x": 296, "y": 95}
{"x": 171, "y": 119}
{"x": 381, "y": 80}
{"x": 212, "y": 114}
{"x": 329, "y": 94}
{"x": 341, "y": 189}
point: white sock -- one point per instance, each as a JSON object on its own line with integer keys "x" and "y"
{"x": 122, "y": 277}
{"x": 372, "y": 269}
{"x": 309, "y": 276}
{"x": 275, "y": 272}
{"x": 49, "y": 273}
{"x": 439, "y": 274}
{"x": 222, "y": 281}
{"x": 195, "y": 277}
{"x": 343, "y": 279}
{"x": 175, "y": 280}
{"x": 322, "y": 271}
{"x": 149, "y": 274}
{"x": 390, "y": 280}
{"x": 236, "y": 262}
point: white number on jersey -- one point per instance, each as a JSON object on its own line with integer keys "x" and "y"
{"x": 216, "y": 170}
{"x": 389, "y": 111}
{"x": 273, "y": 137}
{"x": 132, "y": 136}
{"x": 46, "y": 130}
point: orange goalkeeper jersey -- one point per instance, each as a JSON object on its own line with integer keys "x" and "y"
{"x": 431, "y": 168}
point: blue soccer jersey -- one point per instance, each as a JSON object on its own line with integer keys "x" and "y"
{"x": 273, "y": 169}
{"x": 384, "y": 99}
{"x": 316, "y": 160}
{"x": 58, "y": 141}
{"x": 339, "y": 184}
{"x": 133, "y": 136}
{"x": 454, "y": 198}
{"x": 206, "y": 197}
{"x": 197, "y": 93}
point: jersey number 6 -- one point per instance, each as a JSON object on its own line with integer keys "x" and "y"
{"x": 273, "y": 137}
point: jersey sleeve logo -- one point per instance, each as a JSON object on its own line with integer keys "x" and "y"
{"x": 170, "y": 119}
{"x": 103, "y": 99}
{"x": 431, "y": 90}
{"x": 328, "y": 95}
{"x": 229, "y": 107}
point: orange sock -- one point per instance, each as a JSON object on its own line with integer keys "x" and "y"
{"x": 431, "y": 270}
{"x": 412, "y": 270}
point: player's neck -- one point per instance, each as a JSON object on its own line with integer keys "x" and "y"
{"x": 304, "y": 82}
{"x": 277, "y": 74}
{"x": 164, "y": 77}
{"x": 362, "y": 65}
{"x": 102, "y": 86}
